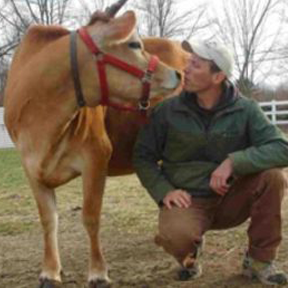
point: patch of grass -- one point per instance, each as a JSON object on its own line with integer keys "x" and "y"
{"x": 16, "y": 197}
{"x": 16, "y": 203}
{"x": 129, "y": 223}
{"x": 15, "y": 228}
{"x": 11, "y": 171}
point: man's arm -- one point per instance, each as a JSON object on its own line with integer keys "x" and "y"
{"x": 269, "y": 146}
{"x": 269, "y": 149}
{"x": 148, "y": 152}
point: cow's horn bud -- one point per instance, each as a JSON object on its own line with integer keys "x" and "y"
{"x": 112, "y": 10}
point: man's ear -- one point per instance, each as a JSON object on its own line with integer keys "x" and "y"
{"x": 121, "y": 28}
{"x": 219, "y": 77}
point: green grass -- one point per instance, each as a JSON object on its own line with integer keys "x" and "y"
{"x": 16, "y": 203}
{"x": 18, "y": 209}
{"x": 15, "y": 227}
{"x": 11, "y": 171}
{"x": 129, "y": 223}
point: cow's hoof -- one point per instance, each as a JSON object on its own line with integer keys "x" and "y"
{"x": 100, "y": 283}
{"x": 46, "y": 283}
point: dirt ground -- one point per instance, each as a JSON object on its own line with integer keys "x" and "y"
{"x": 129, "y": 222}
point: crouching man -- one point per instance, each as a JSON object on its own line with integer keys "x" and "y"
{"x": 211, "y": 159}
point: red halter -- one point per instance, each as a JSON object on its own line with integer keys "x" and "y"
{"x": 102, "y": 59}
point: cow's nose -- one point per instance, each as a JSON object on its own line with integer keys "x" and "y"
{"x": 178, "y": 75}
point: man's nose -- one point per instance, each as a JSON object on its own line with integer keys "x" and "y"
{"x": 187, "y": 70}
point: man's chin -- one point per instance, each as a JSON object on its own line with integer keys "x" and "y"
{"x": 189, "y": 88}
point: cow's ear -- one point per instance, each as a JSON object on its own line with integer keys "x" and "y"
{"x": 121, "y": 28}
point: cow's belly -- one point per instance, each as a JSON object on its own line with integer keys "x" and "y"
{"x": 119, "y": 168}
{"x": 61, "y": 175}
{"x": 53, "y": 174}
{"x": 51, "y": 167}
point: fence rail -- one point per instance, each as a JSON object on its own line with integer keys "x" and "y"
{"x": 276, "y": 110}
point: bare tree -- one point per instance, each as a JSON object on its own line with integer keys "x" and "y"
{"x": 162, "y": 18}
{"x": 15, "y": 18}
{"x": 244, "y": 24}
{"x": 17, "y": 15}
{"x": 3, "y": 77}
{"x": 88, "y": 7}
{"x": 284, "y": 50}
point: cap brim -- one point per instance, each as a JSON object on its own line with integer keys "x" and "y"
{"x": 186, "y": 46}
{"x": 196, "y": 48}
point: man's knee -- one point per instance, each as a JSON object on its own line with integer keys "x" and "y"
{"x": 180, "y": 234}
{"x": 178, "y": 224}
{"x": 269, "y": 192}
{"x": 178, "y": 237}
{"x": 179, "y": 245}
{"x": 275, "y": 179}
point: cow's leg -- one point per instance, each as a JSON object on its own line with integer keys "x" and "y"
{"x": 93, "y": 186}
{"x": 46, "y": 202}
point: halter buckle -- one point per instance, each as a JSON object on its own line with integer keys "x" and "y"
{"x": 144, "y": 105}
{"x": 147, "y": 77}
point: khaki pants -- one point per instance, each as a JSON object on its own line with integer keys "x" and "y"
{"x": 256, "y": 196}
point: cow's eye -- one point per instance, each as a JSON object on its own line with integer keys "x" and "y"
{"x": 135, "y": 45}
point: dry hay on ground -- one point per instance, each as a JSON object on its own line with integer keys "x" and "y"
{"x": 129, "y": 222}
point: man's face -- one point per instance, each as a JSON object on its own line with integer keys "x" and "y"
{"x": 198, "y": 75}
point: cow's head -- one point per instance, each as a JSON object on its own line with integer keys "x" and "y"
{"x": 118, "y": 37}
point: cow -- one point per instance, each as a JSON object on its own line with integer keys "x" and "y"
{"x": 56, "y": 139}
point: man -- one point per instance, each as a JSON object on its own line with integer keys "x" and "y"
{"x": 210, "y": 159}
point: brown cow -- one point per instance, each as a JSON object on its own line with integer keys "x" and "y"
{"x": 59, "y": 142}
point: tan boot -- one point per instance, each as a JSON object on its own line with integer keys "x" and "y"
{"x": 191, "y": 267}
{"x": 265, "y": 272}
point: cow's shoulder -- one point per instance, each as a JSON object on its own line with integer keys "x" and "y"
{"x": 45, "y": 33}
{"x": 36, "y": 38}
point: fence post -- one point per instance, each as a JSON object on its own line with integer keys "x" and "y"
{"x": 5, "y": 141}
{"x": 274, "y": 111}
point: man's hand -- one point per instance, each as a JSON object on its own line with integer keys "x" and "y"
{"x": 219, "y": 177}
{"x": 179, "y": 197}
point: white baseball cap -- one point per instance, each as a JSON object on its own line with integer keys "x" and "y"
{"x": 214, "y": 51}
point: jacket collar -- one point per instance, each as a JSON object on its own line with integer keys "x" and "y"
{"x": 229, "y": 101}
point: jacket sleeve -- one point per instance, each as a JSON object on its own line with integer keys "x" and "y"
{"x": 147, "y": 154}
{"x": 268, "y": 145}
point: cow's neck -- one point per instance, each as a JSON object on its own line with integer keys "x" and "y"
{"x": 46, "y": 111}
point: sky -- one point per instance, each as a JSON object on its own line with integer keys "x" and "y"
{"x": 214, "y": 8}
{"x": 274, "y": 25}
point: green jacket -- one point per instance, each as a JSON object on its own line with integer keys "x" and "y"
{"x": 183, "y": 144}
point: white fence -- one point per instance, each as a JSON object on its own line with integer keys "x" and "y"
{"x": 277, "y": 111}
{"x": 5, "y": 141}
